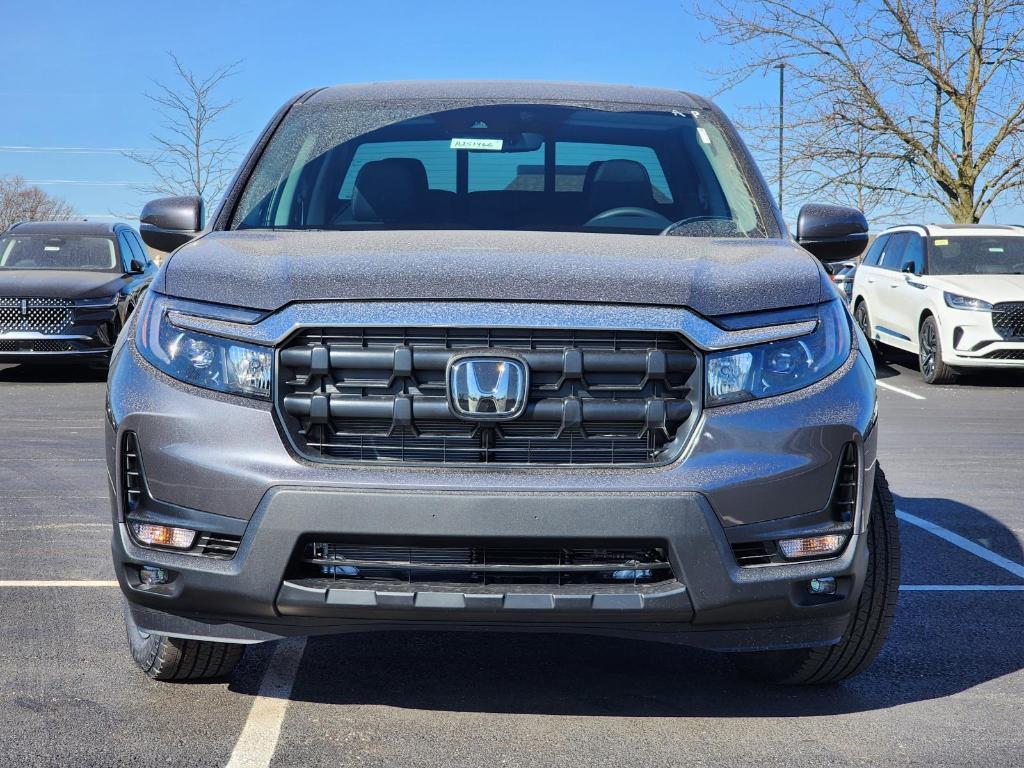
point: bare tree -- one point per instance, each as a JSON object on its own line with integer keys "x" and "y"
{"x": 899, "y": 105}
{"x": 19, "y": 201}
{"x": 191, "y": 158}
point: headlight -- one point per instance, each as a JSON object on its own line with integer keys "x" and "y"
{"x": 198, "y": 358}
{"x": 780, "y": 366}
{"x": 956, "y": 301}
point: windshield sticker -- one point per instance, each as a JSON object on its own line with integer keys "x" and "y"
{"x": 703, "y": 135}
{"x": 995, "y": 250}
{"x": 942, "y": 242}
{"x": 494, "y": 145}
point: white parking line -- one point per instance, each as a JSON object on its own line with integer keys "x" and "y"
{"x": 900, "y": 390}
{"x": 42, "y": 583}
{"x": 962, "y": 588}
{"x": 966, "y": 544}
{"x": 258, "y": 740}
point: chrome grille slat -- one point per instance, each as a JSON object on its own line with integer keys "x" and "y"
{"x": 379, "y": 394}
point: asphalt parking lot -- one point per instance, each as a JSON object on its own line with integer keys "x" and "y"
{"x": 947, "y": 690}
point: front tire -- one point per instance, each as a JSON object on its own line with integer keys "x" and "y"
{"x": 174, "y": 659}
{"x": 933, "y": 368}
{"x": 863, "y": 320}
{"x": 869, "y": 626}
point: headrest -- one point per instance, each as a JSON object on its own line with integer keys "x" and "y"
{"x": 392, "y": 191}
{"x": 617, "y": 184}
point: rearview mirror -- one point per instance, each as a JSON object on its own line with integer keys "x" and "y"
{"x": 169, "y": 222}
{"x": 832, "y": 232}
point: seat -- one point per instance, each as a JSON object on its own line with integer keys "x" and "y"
{"x": 617, "y": 184}
{"x": 391, "y": 191}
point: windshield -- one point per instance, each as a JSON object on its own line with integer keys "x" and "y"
{"x": 976, "y": 256}
{"x": 345, "y": 166}
{"x": 50, "y": 252}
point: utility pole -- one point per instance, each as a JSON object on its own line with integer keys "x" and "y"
{"x": 781, "y": 66}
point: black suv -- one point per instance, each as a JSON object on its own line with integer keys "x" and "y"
{"x": 500, "y": 356}
{"x": 67, "y": 288}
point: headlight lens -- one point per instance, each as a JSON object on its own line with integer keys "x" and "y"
{"x": 197, "y": 358}
{"x": 956, "y": 301}
{"x": 780, "y": 366}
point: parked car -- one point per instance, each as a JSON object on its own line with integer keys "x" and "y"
{"x": 842, "y": 275}
{"x": 952, "y": 293}
{"x": 500, "y": 356}
{"x": 67, "y": 288}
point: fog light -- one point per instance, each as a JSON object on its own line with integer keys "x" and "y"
{"x": 163, "y": 535}
{"x": 149, "y": 574}
{"x": 823, "y": 586}
{"x": 812, "y": 546}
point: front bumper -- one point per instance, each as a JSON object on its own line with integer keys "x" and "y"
{"x": 91, "y": 336}
{"x": 971, "y": 340}
{"x": 712, "y": 602}
{"x": 759, "y": 468}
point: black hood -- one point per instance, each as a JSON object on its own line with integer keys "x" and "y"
{"x": 266, "y": 270}
{"x": 58, "y": 284}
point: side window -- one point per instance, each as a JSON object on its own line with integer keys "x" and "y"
{"x": 141, "y": 252}
{"x": 892, "y": 254}
{"x": 913, "y": 254}
{"x": 874, "y": 254}
{"x": 124, "y": 246}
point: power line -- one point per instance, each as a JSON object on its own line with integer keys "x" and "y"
{"x": 87, "y": 183}
{"x": 71, "y": 150}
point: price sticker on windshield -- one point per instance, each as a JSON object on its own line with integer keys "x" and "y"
{"x": 493, "y": 145}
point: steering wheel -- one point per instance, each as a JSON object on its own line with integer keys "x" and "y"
{"x": 706, "y": 226}
{"x": 629, "y": 217}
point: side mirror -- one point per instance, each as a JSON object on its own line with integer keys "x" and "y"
{"x": 832, "y": 232}
{"x": 169, "y": 222}
{"x": 910, "y": 268}
{"x": 136, "y": 268}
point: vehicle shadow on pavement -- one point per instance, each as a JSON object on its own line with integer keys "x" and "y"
{"x": 942, "y": 643}
{"x": 64, "y": 373}
{"x": 899, "y": 363}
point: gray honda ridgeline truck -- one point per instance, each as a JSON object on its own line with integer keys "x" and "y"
{"x": 499, "y": 356}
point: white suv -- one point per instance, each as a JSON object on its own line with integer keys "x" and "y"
{"x": 952, "y": 293}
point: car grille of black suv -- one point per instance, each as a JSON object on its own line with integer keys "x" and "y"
{"x": 379, "y": 395}
{"x": 1008, "y": 319}
{"x": 38, "y": 315}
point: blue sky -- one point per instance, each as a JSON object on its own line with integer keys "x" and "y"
{"x": 75, "y": 73}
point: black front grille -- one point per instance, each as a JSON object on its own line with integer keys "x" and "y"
{"x": 1006, "y": 354}
{"x": 34, "y": 314}
{"x": 1008, "y": 320}
{"x": 379, "y": 394}
{"x": 36, "y": 345}
{"x": 486, "y": 563}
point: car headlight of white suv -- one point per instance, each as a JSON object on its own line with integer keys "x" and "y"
{"x": 956, "y": 301}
